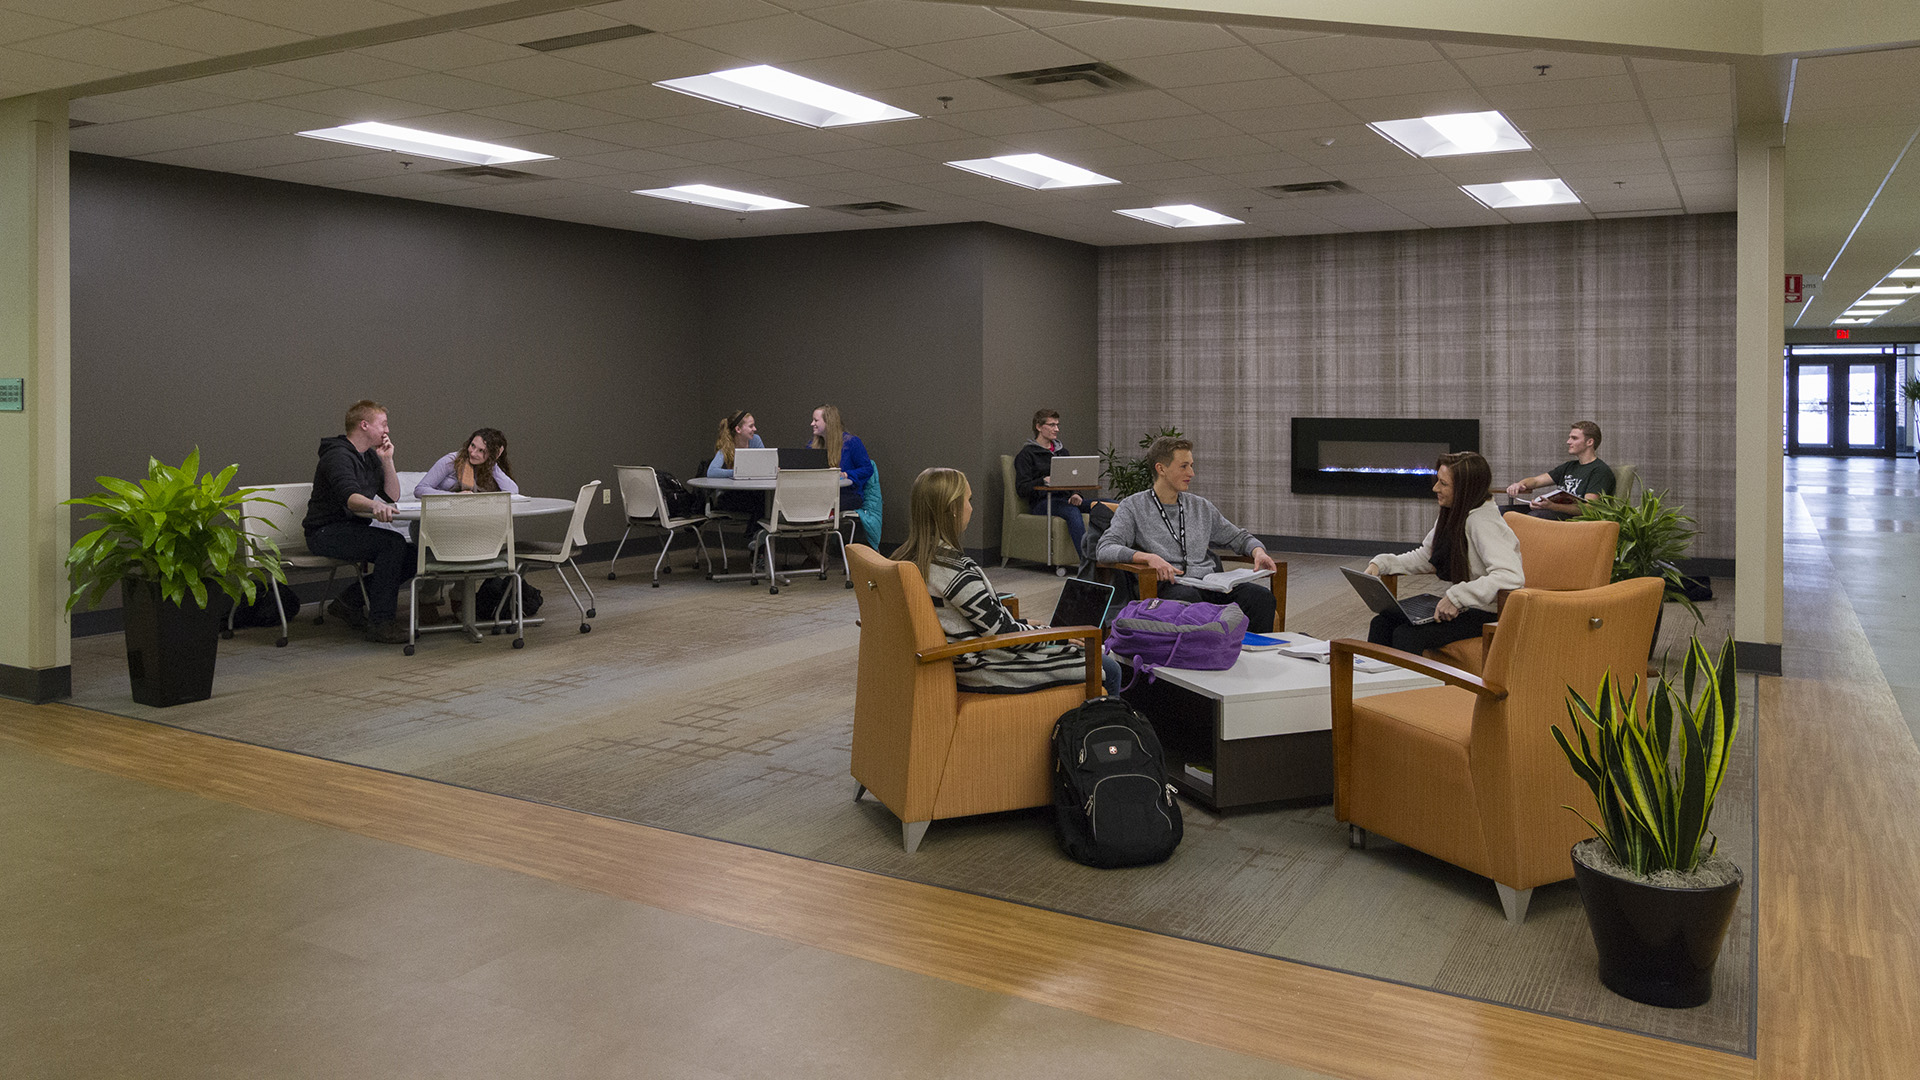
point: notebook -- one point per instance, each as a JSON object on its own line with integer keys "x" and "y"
{"x": 1417, "y": 609}
{"x": 1075, "y": 472}
{"x": 755, "y": 463}
{"x": 802, "y": 457}
{"x": 1082, "y": 603}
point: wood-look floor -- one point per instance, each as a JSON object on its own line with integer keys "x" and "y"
{"x": 1839, "y": 810}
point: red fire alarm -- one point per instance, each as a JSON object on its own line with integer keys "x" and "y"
{"x": 1794, "y": 292}
{"x": 1842, "y": 335}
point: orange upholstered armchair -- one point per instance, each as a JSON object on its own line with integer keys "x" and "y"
{"x": 1557, "y": 555}
{"x": 925, "y": 748}
{"x": 1468, "y": 772}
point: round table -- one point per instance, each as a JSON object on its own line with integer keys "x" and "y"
{"x": 728, "y": 483}
{"x": 521, "y": 506}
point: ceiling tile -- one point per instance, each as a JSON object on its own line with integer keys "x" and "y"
{"x": 967, "y": 95}
{"x": 1120, "y": 39}
{"x": 654, "y": 57}
{"x": 87, "y": 12}
{"x": 1602, "y": 114}
{"x": 1400, "y": 79}
{"x": 330, "y": 171}
{"x": 1156, "y": 131}
{"x": 909, "y": 133}
{"x": 18, "y": 26}
{"x": 671, "y": 15}
{"x": 249, "y": 155}
{"x": 784, "y": 166}
{"x": 1460, "y": 51}
{"x": 1303, "y": 117}
{"x": 355, "y": 106}
{"x": 544, "y": 76}
{"x": 1125, "y": 108}
{"x": 342, "y": 69}
{"x": 45, "y": 71}
{"x": 119, "y": 52}
{"x": 1548, "y": 93}
{"x": 886, "y": 22}
{"x": 1028, "y": 50}
{"x": 1568, "y": 156}
{"x": 871, "y": 73}
{"x": 872, "y": 158}
{"x": 636, "y": 133}
{"x": 445, "y": 91}
{"x": 404, "y": 185}
{"x": 552, "y": 115}
{"x": 1676, "y": 148}
{"x": 154, "y": 100}
{"x": 1603, "y": 135}
{"x": 1253, "y": 94}
{"x": 267, "y": 117}
{"x": 551, "y": 25}
{"x": 1010, "y": 121}
{"x": 251, "y": 84}
{"x": 201, "y": 30}
{"x": 1696, "y": 129}
{"x": 1220, "y": 145}
{"x": 1683, "y": 80}
{"x": 444, "y": 52}
{"x": 332, "y": 17}
{"x": 1235, "y": 65}
{"x": 801, "y": 141}
{"x": 1507, "y": 68}
{"x": 713, "y": 151}
{"x": 777, "y": 40}
{"x": 1702, "y": 107}
{"x": 1436, "y": 103}
{"x": 469, "y": 125}
{"x": 158, "y": 134}
{"x": 564, "y": 145}
{"x": 723, "y": 122}
{"x": 1045, "y": 19}
{"x": 1311, "y": 56}
{"x": 637, "y": 161}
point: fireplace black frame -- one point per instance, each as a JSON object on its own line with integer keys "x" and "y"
{"x": 1310, "y": 431}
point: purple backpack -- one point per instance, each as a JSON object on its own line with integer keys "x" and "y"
{"x": 1173, "y": 633}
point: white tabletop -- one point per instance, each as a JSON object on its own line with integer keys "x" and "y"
{"x": 1265, "y": 693}
{"x": 523, "y": 506}
{"x": 729, "y": 483}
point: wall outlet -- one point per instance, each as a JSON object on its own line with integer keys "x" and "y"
{"x": 606, "y": 497}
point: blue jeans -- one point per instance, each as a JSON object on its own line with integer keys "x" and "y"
{"x": 1076, "y": 524}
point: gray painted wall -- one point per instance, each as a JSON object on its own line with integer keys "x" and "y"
{"x": 1527, "y": 328}
{"x": 245, "y": 315}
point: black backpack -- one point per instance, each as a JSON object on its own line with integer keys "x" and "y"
{"x": 1112, "y": 805}
{"x": 680, "y": 502}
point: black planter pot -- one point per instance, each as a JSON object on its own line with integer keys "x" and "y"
{"x": 170, "y": 647}
{"x": 1657, "y": 945}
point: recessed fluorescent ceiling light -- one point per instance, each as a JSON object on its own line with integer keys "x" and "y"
{"x": 1906, "y": 272}
{"x": 1888, "y": 301}
{"x": 1868, "y": 313}
{"x": 425, "y": 143}
{"x": 783, "y": 95}
{"x": 1036, "y": 171}
{"x": 1521, "y": 193}
{"x": 1839, "y": 321}
{"x": 1179, "y": 217}
{"x": 1456, "y": 133}
{"x": 1893, "y": 290}
{"x": 722, "y": 198}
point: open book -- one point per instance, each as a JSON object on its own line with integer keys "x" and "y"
{"x": 1321, "y": 652}
{"x": 1553, "y": 493}
{"x": 1223, "y": 581}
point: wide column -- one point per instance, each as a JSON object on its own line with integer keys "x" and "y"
{"x": 1759, "y": 342}
{"x": 35, "y": 347}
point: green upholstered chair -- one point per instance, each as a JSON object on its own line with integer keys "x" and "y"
{"x": 1023, "y": 534}
{"x": 1625, "y": 479}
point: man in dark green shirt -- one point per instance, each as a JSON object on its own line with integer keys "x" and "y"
{"x": 1584, "y": 479}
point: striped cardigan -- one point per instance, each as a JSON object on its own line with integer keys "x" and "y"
{"x": 968, "y": 609}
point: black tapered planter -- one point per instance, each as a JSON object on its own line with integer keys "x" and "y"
{"x": 170, "y": 647}
{"x": 1657, "y": 945}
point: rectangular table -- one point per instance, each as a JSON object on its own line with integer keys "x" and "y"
{"x": 1265, "y": 726}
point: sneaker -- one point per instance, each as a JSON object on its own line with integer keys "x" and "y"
{"x": 388, "y": 632}
{"x": 355, "y": 617}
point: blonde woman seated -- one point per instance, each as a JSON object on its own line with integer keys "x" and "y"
{"x": 940, "y": 507}
{"x": 481, "y": 466}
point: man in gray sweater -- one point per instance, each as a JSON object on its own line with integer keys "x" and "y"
{"x": 1173, "y": 531}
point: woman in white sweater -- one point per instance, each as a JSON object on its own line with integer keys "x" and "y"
{"x": 1470, "y": 547}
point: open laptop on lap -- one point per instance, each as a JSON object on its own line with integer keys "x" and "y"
{"x": 1417, "y": 609}
{"x": 755, "y": 463}
{"x": 1080, "y": 472}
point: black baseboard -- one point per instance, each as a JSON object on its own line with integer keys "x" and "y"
{"x": 1757, "y": 656}
{"x": 36, "y": 686}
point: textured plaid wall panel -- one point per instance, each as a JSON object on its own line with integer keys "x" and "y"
{"x": 1628, "y": 323}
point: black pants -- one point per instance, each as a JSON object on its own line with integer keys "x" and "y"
{"x": 1254, "y": 599}
{"x": 1391, "y": 628}
{"x": 393, "y": 559}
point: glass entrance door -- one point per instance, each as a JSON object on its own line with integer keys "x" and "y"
{"x": 1840, "y": 407}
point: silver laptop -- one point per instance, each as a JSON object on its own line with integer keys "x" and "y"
{"x": 1417, "y": 609}
{"x": 1075, "y": 472}
{"x": 755, "y": 463}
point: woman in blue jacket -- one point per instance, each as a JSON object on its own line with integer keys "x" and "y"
{"x": 845, "y": 452}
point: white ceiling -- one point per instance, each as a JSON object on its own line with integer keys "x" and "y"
{"x": 1227, "y": 110}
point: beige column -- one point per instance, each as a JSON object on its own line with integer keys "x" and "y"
{"x": 1759, "y": 340}
{"x": 35, "y": 345}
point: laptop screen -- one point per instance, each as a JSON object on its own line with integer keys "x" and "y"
{"x": 802, "y": 457}
{"x": 1082, "y": 603}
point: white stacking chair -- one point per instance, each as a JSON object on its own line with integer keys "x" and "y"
{"x": 560, "y": 555}
{"x": 467, "y": 536}
{"x": 806, "y": 502}
{"x": 645, "y": 504}
{"x": 281, "y": 525}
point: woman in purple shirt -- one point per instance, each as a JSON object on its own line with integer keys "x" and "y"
{"x": 482, "y": 466}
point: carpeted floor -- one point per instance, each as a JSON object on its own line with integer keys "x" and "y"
{"x": 723, "y": 711}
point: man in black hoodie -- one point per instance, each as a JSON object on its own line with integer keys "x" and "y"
{"x": 354, "y": 485}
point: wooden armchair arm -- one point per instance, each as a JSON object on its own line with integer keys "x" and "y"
{"x": 1090, "y": 636}
{"x": 1392, "y": 582}
{"x": 1345, "y": 649}
{"x": 1147, "y": 581}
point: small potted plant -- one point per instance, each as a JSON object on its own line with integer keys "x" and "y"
{"x": 1654, "y": 536}
{"x": 165, "y": 540}
{"x": 1658, "y": 895}
{"x": 1911, "y": 392}
{"x": 1130, "y": 475}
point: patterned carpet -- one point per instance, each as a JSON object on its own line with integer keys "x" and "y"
{"x": 723, "y": 711}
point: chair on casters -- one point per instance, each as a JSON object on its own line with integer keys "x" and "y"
{"x": 1469, "y": 772}
{"x": 926, "y": 748}
{"x": 466, "y": 536}
{"x": 281, "y": 525}
{"x": 646, "y": 504}
{"x": 806, "y": 502}
{"x": 560, "y": 555}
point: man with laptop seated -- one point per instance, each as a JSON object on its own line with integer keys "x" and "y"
{"x": 1033, "y": 466}
{"x": 1173, "y": 530}
{"x": 1571, "y": 483}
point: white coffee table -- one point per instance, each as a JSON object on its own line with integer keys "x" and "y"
{"x": 1265, "y": 726}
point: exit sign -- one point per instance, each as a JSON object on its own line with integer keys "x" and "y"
{"x": 1842, "y": 335}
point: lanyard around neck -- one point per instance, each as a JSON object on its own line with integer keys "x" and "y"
{"x": 1179, "y": 534}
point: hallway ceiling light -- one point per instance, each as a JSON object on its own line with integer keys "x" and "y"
{"x": 1867, "y": 313}
{"x": 1186, "y": 216}
{"x": 1839, "y": 322}
{"x": 1454, "y": 133}
{"x": 783, "y": 95}
{"x": 424, "y": 143}
{"x": 1037, "y": 171}
{"x": 720, "y": 198}
{"x": 1906, "y": 272}
{"x": 1888, "y": 301}
{"x": 1894, "y": 290}
{"x": 1521, "y": 193}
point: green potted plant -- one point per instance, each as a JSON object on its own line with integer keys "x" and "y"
{"x": 1654, "y": 536}
{"x": 1129, "y": 475}
{"x": 165, "y": 540}
{"x": 1657, "y": 893}
{"x": 1911, "y": 392}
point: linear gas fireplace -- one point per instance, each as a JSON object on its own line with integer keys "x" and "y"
{"x": 1379, "y": 457}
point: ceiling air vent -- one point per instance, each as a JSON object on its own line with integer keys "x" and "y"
{"x": 591, "y": 37}
{"x": 1068, "y": 83}
{"x": 489, "y": 174}
{"x": 1310, "y": 189}
{"x": 874, "y": 209}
